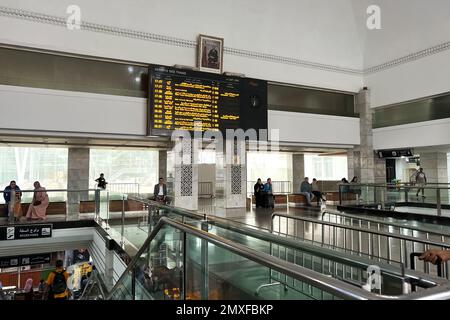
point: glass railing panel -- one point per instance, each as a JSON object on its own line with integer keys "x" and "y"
{"x": 125, "y": 290}
{"x": 215, "y": 273}
{"x": 158, "y": 272}
{"x": 49, "y": 204}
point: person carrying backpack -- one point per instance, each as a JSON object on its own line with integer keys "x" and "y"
{"x": 57, "y": 282}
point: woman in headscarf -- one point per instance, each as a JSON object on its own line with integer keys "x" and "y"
{"x": 38, "y": 208}
{"x": 29, "y": 289}
{"x": 259, "y": 197}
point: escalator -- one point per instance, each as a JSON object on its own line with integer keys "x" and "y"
{"x": 180, "y": 262}
{"x": 173, "y": 267}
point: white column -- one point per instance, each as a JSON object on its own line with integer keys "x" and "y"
{"x": 186, "y": 178}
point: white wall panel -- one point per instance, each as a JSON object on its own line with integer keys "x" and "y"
{"x": 57, "y": 110}
{"x": 314, "y": 128}
{"x": 422, "y": 134}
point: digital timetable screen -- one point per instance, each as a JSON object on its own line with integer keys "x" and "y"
{"x": 190, "y": 100}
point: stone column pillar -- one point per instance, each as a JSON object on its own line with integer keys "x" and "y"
{"x": 366, "y": 153}
{"x": 380, "y": 169}
{"x": 353, "y": 163}
{"x": 77, "y": 179}
{"x": 109, "y": 268}
{"x": 162, "y": 164}
{"x": 298, "y": 171}
{"x": 435, "y": 166}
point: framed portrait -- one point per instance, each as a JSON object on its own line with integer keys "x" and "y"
{"x": 210, "y": 54}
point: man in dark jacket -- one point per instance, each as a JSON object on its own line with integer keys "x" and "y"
{"x": 160, "y": 191}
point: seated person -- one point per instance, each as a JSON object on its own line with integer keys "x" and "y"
{"x": 316, "y": 191}
{"x": 344, "y": 189}
{"x": 160, "y": 191}
{"x": 355, "y": 189}
{"x": 259, "y": 190}
{"x": 38, "y": 207}
{"x": 101, "y": 181}
{"x": 268, "y": 194}
{"x": 306, "y": 190}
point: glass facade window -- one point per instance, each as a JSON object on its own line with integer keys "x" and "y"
{"x": 125, "y": 167}
{"x": 26, "y": 165}
{"x": 328, "y": 168}
{"x": 274, "y": 165}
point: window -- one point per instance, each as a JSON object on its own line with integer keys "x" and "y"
{"x": 123, "y": 168}
{"x": 332, "y": 168}
{"x": 26, "y": 165}
{"x": 274, "y": 165}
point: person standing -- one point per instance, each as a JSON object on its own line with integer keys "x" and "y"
{"x": 421, "y": 181}
{"x": 13, "y": 195}
{"x": 101, "y": 181}
{"x": 38, "y": 208}
{"x": 259, "y": 196}
{"x": 57, "y": 283}
{"x": 306, "y": 190}
{"x": 316, "y": 190}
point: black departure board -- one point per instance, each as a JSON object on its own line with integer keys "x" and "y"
{"x": 193, "y": 101}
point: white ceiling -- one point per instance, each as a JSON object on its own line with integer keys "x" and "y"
{"x": 324, "y": 31}
{"x": 408, "y": 26}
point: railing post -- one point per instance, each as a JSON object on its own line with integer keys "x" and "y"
{"x": 133, "y": 284}
{"x": 107, "y": 210}
{"x": 204, "y": 266}
{"x": 97, "y": 204}
{"x": 184, "y": 275}
{"x": 438, "y": 202}
{"x": 375, "y": 198}
{"x": 122, "y": 242}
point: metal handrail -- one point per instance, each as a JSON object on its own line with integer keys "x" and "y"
{"x": 394, "y": 224}
{"x": 321, "y": 252}
{"x": 380, "y": 233}
{"x": 372, "y": 235}
{"x": 332, "y": 286}
{"x": 393, "y": 185}
{"x": 94, "y": 278}
{"x": 313, "y": 278}
{"x": 55, "y": 190}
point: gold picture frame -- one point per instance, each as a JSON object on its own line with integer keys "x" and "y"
{"x": 210, "y": 54}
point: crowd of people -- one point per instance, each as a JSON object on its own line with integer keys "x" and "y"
{"x": 264, "y": 193}
{"x": 13, "y": 202}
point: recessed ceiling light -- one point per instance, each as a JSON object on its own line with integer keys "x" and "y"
{"x": 130, "y": 69}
